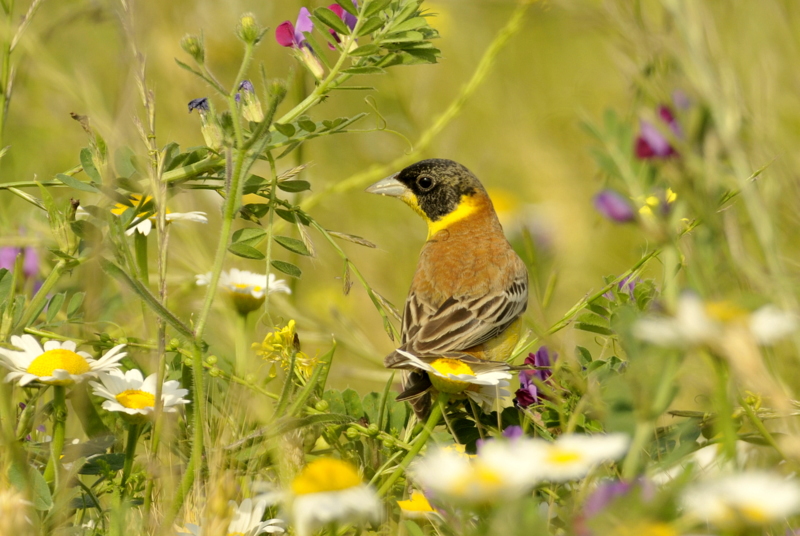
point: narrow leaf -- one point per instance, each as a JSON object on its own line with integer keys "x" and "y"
{"x": 75, "y": 303}
{"x": 287, "y": 268}
{"x": 370, "y": 26}
{"x": 249, "y": 235}
{"x": 287, "y": 129}
{"x": 248, "y": 252}
{"x": 369, "y": 69}
{"x": 293, "y": 244}
{"x": 149, "y": 299}
{"x": 352, "y": 238}
{"x": 294, "y": 186}
{"x": 88, "y": 165}
{"x": 332, "y": 20}
{"x": 54, "y": 306}
{"x": 376, "y": 6}
{"x": 366, "y": 50}
{"x": 72, "y": 182}
{"x": 348, "y": 6}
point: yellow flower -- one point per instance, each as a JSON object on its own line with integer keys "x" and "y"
{"x": 417, "y": 507}
{"x": 143, "y": 220}
{"x": 278, "y": 346}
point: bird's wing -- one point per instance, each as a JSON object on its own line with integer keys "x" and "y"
{"x": 460, "y": 322}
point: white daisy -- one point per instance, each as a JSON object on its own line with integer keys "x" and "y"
{"x": 482, "y": 381}
{"x": 572, "y": 456}
{"x": 247, "y": 290}
{"x": 696, "y": 322}
{"x": 328, "y": 491}
{"x": 56, "y": 364}
{"x": 501, "y": 470}
{"x": 132, "y": 394}
{"x": 246, "y": 521}
{"x": 144, "y": 226}
{"x": 752, "y": 498}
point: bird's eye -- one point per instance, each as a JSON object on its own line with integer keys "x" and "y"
{"x": 424, "y": 182}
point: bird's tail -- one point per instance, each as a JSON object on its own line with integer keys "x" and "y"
{"x": 417, "y": 391}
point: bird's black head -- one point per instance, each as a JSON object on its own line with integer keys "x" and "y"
{"x": 437, "y": 186}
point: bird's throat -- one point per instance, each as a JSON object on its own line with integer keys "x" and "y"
{"x": 467, "y": 206}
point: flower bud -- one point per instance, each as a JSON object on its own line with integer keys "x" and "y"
{"x": 351, "y": 433}
{"x": 322, "y": 405}
{"x": 277, "y": 90}
{"x": 311, "y": 62}
{"x": 248, "y": 29}
{"x": 251, "y": 106}
{"x": 193, "y": 45}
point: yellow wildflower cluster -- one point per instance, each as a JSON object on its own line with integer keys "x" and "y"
{"x": 279, "y": 345}
{"x": 651, "y": 202}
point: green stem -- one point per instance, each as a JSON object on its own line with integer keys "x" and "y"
{"x": 130, "y": 453}
{"x": 5, "y": 78}
{"x": 37, "y": 303}
{"x": 140, "y": 246}
{"x": 59, "y": 430}
{"x": 270, "y": 227}
{"x": 643, "y": 433}
{"x": 422, "y": 439}
{"x": 241, "y": 343}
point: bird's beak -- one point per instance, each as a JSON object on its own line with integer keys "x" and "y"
{"x": 388, "y": 186}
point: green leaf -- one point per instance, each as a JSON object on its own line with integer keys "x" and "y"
{"x": 5, "y": 284}
{"x": 335, "y": 401}
{"x": 87, "y": 162}
{"x": 371, "y": 404}
{"x": 149, "y": 299}
{"x": 287, "y": 268}
{"x": 124, "y": 162}
{"x": 72, "y": 182}
{"x": 32, "y": 485}
{"x": 103, "y": 463}
{"x": 366, "y": 50}
{"x": 287, "y": 129}
{"x": 369, "y": 69}
{"x": 307, "y": 124}
{"x": 245, "y": 251}
{"x": 253, "y": 184}
{"x": 86, "y": 230}
{"x": 294, "y": 186}
{"x": 375, "y": 23}
{"x": 410, "y": 24}
{"x": 584, "y": 356}
{"x": 593, "y": 328}
{"x": 293, "y": 244}
{"x": 412, "y": 528}
{"x": 287, "y": 215}
{"x": 249, "y": 235}
{"x": 405, "y": 37}
{"x": 332, "y": 20}
{"x": 352, "y": 403}
{"x": 75, "y": 302}
{"x": 54, "y": 306}
{"x": 376, "y": 6}
{"x": 348, "y": 6}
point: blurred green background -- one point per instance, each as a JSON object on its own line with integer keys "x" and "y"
{"x": 519, "y": 133}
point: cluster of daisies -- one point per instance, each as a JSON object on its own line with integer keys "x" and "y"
{"x": 59, "y": 363}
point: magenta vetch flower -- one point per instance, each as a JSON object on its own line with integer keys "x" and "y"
{"x": 528, "y": 394}
{"x": 349, "y": 19}
{"x": 614, "y": 206}
{"x": 651, "y": 143}
{"x": 291, "y": 35}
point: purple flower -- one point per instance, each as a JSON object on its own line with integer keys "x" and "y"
{"x": 200, "y": 105}
{"x": 614, "y": 206}
{"x": 626, "y": 285}
{"x": 8, "y": 257}
{"x": 605, "y": 495}
{"x": 30, "y": 261}
{"x": 651, "y": 143}
{"x": 528, "y": 393}
{"x": 289, "y": 35}
{"x": 513, "y": 432}
{"x": 349, "y": 19}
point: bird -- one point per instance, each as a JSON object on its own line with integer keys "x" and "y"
{"x": 470, "y": 288}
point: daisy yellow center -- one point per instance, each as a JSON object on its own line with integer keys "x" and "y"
{"x": 451, "y": 366}
{"x": 240, "y": 286}
{"x": 445, "y": 367}
{"x": 480, "y": 478}
{"x": 236, "y": 534}
{"x": 326, "y": 474}
{"x": 647, "y": 529}
{"x": 754, "y": 514}
{"x": 417, "y": 504}
{"x": 563, "y": 457}
{"x": 58, "y": 359}
{"x": 136, "y": 399}
{"x": 725, "y": 311}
